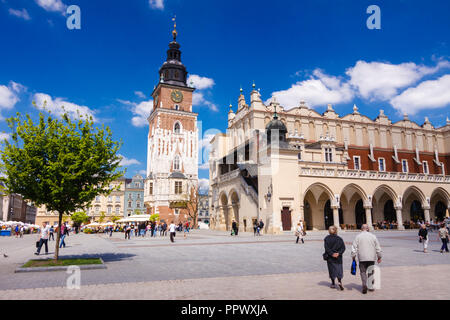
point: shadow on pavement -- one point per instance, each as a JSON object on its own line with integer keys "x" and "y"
{"x": 107, "y": 257}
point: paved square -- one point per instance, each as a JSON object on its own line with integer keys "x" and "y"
{"x": 212, "y": 265}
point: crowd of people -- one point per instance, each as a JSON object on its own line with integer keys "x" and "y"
{"x": 430, "y": 225}
{"x": 152, "y": 229}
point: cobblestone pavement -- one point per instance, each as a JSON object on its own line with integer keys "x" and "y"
{"x": 396, "y": 283}
{"x": 213, "y": 265}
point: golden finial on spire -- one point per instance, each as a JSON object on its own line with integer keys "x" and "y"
{"x": 174, "y": 32}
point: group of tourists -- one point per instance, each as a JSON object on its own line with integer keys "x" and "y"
{"x": 366, "y": 250}
{"x": 153, "y": 229}
{"x": 443, "y": 233}
{"x": 258, "y": 227}
{"x": 47, "y": 233}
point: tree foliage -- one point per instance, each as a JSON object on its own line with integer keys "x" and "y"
{"x": 79, "y": 218}
{"x": 154, "y": 217}
{"x": 58, "y": 162}
{"x": 102, "y": 217}
{"x": 114, "y": 218}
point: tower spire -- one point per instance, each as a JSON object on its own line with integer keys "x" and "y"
{"x": 174, "y": 32}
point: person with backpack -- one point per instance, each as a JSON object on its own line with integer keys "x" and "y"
{"x": 261, "y": 227}
{"x": 51, "y": 234}
{"x": 16, "y": 229}
{"x": 299, "y": 233}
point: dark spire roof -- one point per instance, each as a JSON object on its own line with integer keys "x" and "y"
{"x": 276, "y": 125}
{"x": 173, "y": 71}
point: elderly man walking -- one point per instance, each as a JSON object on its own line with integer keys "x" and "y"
{"x": 367, "y": 248}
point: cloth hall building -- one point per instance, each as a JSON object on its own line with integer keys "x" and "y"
{"x": 281, "y": 166}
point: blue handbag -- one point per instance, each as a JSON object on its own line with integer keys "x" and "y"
{"x": 353, "y": 270}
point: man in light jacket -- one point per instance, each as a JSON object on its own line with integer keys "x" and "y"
{"x": 367, "y": 248}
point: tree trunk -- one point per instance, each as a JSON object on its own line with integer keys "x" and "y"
{"x": 58, "y": 236}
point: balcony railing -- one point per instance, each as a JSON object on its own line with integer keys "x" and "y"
{"x": 374, "y": 175}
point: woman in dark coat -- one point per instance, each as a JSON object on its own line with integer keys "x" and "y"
{"x": 334, "y": 249}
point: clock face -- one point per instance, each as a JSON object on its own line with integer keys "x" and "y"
{"x": 177, "y": 96}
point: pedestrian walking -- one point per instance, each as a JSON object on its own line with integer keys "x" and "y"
{"x": 172, "y": 231}
{"x": 367, "y": 249}
{"x": 334, "y": 249}
{"x": 43, "y": 238}
{"x": 51, "y": 236}
{"x": 234, "y": 228}
{"x": 423, "y": 237}
{"x": 443, "y": 235}
{"x": 63, "y": 236}
{"x": 254, "y": 228}
{"x": 261, "y": 227}
{"x": 17, "y": 230}
{"x": 165, "y": 229}
{"x": 299, "y": 233}
{"x": 127, "y": 231}
{"x": 22, "y": 230}
{"x": 111, "y": 228}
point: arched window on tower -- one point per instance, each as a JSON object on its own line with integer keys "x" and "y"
{"x": 177, "y": 128}
{"x": 176, "y": 163}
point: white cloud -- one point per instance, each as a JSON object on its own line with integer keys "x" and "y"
{"x": 381, "y": 81}
{"x": 17, "y": 87}
{"x": 23, "y": 14}
{"x": 143, "y": 172}
{"x": 156, "y": 4}
{"x": 56, "y": 106}
{"x": 204, "y": 148}
{"x": 205, "y": 142}
{"x": 128, "y": 162}
{"x": 320, "y": 89}
{"x": 140, "y": 111}
{"x": 203, "y": 184}
{"x": 8, "y": 97}
{"x": 200, "y": 83}
{"x": 429, "y": 94}
{"x": 52, "y": 5}
{"x": 140, "y": 94}
{"x": 198, "y": 99}
{"x": 4, "y": 136}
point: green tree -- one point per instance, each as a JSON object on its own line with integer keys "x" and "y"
{"x": 154, "y": 217}
{"x": 58, "y": 162}
{"x": 80, "y": 217}
{"x": 102, "y": 217}
{"x": 114, "y": 218}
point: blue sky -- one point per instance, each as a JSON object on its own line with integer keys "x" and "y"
{"x": 316, "y": 50}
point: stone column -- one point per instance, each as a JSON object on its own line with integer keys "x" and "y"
{"x": 222, "y": 219}
{"x": 398, "y": 211}
{"x": 369, "y": 217}
{"x": 426, "y": 213}
{"x": 231, "y": 216}
{"x": 337, "y": 223}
